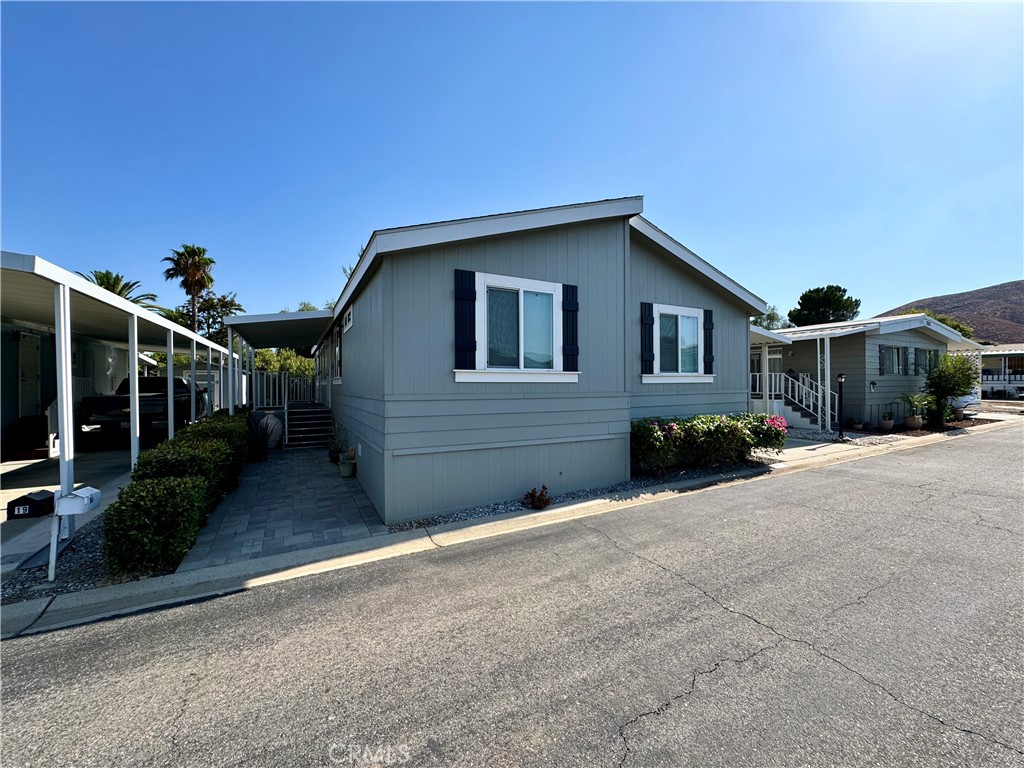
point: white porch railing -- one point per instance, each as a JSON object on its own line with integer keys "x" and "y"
{"x": 774, "y": 384}
{"x": 1002, "y": 378}
{"x": 805, "y": 393}
{"x": 277, "y": 389}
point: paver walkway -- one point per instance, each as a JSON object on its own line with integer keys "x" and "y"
{"x": 295, "y": 500}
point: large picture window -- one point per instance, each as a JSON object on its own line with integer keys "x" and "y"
{"x": 679, "y": 344}
{"x": 518, "y": 330}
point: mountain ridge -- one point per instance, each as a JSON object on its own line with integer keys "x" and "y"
{"x": 996, "y": 312}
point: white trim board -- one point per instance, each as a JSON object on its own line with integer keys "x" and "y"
{"x": 688, "y": 257}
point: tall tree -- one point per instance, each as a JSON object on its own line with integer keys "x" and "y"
{"x": 194, "y": 269}
{"x": 116, "y": 283}
{"x": 824, "y": 305}
{"x": 771, "y": 320}
{"x": 211, "y": 311}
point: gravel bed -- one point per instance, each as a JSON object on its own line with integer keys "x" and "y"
{"x": 516, "y": 505}
{"x": 81, "y": 565}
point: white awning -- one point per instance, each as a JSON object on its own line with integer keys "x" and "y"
{"x": 282, "y": 329}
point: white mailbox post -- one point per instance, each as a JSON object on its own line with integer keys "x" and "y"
{"x": 78, "y": 502}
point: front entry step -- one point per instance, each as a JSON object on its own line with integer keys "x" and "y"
{"x": 310, "y": 425}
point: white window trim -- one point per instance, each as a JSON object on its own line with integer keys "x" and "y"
{"x": 525, "y": 375}
{"x": 677, "y": 378}
{"x": 346, "y": 322}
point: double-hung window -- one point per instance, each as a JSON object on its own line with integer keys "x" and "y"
{"x": 678, "y": 345}
{"x": 518, "y": 329}
{"x": 893, "y": 360}
{"x": 925, "y": 360}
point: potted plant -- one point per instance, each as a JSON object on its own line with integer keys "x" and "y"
{"x": 347, "y": 464}
{"x": 334, "y": 453}
{"x": 853, "y": 423}
{"x": 917, "y": 403}
{"x": 887, "y": 420}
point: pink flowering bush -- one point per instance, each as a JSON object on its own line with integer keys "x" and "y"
{"x": 656, "y": 444}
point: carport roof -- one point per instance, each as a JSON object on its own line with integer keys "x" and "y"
{"x": 27, "y": 295}
{"x": 282, "y": 329}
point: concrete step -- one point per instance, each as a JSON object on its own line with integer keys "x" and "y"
{"x": 797, "y": 419}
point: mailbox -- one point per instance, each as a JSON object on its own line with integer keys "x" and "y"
{"x": 38, "y": 504}
{"x": 78, "y": 502}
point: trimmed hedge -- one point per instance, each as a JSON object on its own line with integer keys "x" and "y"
{"x": 153, "y": 523}
{"x": 156, "y": 518}
{"x": 656, "y": 444}
{"x": 210, "y": 459}
{"x": 233, "y": 430}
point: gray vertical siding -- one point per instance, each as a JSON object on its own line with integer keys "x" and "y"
{"x": 659, "y": 277}
{"x": 357, "y": 401}
{"x": 431, "y": 445}
{"x": 450, "y": 445}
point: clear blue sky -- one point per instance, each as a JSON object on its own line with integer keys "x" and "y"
{"x": 875, "y": 146}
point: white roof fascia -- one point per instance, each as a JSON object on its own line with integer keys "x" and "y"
{"x": 424, "y": 235}
{"x": 22, "y": 262}
{"x": 1002, "y": 350}
{"x": 688, "y": 257}
{"x": 798, "y": 334}
{"x": 278, "y": 317}
{"x": 924, "y": 323}
{"x": 772, "y": 336}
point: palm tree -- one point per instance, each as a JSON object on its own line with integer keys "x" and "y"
{"x": 192, "y": 266}
{"x": 115, "y": 283}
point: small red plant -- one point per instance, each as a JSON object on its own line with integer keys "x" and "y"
{"x": 537, "y": 499}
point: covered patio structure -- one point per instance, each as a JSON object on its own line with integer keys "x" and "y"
{"x": 46, "y": 307}
{"x": 302, "y": 403}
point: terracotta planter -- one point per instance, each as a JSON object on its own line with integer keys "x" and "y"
{"x": 958, "y": 414}
{"x": 886, "y": 424}
{"x": 913, "y": 422}
{"x": 347, "y": 468}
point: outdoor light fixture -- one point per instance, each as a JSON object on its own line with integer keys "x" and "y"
{"x": 841, "y": 378}
{"x": 873, "y": 384}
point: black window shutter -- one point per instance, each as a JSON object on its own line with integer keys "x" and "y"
{"x": 646, "y": 337}
{"x": 465, "y": 320}
{"x": 881, "y": 359}
{"x": 906, "y": 361}
{"x": 709, "y": 339}
{"x": 570, "y": 328}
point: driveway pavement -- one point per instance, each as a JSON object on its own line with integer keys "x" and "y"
{"x": 867, "y": 613}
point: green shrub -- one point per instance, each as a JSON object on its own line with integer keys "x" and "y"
{"x": 712, "y": 440}
{"x": 153, "y": 523}
{"x": 233, "y": 430}
{"x": 657, "y": 444}
{"x": 209, "y": 459}
{"x": 654, "y": 445}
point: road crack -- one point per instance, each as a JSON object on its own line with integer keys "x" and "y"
{"x": 664, "y": 706}
{"x": 192, "y": 685}
{"x": 799, "y": 641}
{"x": 860, "y": 598}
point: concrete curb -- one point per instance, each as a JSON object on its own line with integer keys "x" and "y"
{"x": 44, "y": 614}
{"x": 100, "y": 603}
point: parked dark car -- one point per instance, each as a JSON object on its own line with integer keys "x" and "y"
{"x": 107, "y": 417}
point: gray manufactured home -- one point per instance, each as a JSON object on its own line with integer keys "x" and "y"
{"x": 471, "y": 360}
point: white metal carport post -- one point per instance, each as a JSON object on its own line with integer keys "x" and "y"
{"x": 193, "y": 382}
{"x": 170, "y": 383}
{"x": 133, "y": 385}
{"x": 209, "y": 381}
{"x": 65, "y": 420}
{"x": 827, "y": 393}
{"x": 231, "y": 372}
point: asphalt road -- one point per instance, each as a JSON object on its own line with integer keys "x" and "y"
{"x": 868, "y": 614}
